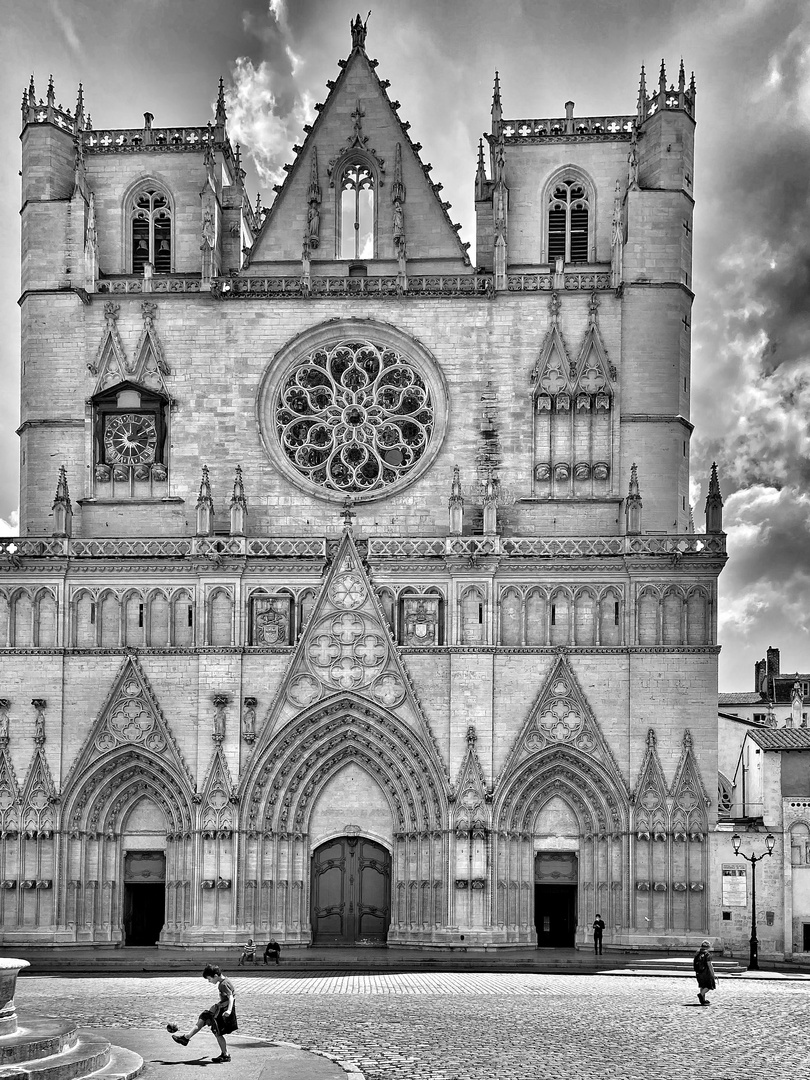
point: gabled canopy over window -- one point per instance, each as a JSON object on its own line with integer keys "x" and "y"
{"x": 151, "y": 219}
{"x": 568, "y": 222}
{"x": 129, "y": 426}
{"x": 357, "y": 212}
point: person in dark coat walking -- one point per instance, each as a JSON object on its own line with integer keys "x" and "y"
{"x": 704, "y": 971}
{"x": 598, "y": 927}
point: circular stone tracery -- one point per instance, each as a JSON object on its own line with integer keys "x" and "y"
{"x": 353, "y": 409}
{"x": 354, "y": 417}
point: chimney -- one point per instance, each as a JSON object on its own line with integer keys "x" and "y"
{"x": 772, "y": 665}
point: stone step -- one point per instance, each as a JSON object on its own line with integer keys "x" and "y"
{"x": 89, "y": 1054}
{"x": 37, "y": 1037}
{"x": 123, "y": 1065}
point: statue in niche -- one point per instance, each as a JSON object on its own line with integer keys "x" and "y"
{"x": 313, "y": 224}
{"x": 399, "y": 225}
{"x": 208, "y": 230}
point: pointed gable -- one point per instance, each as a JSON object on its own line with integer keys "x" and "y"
{"x": 561, "y": 717}
{"x": 38, "y": 797}
{"x": 218, "y": 798}
{"x": 358, "y": 124}
{"x": 688, "y": 792}
{"x": 130, "y": 717}
{"x": 593, "y": 371}
{"x": 150, "y": 363}
{"x": 110, "y": 366}
{"x": 651, "y": 813}
{"x": 347, "y": 647}
{"x": 552, "y": 374}
{"x": 9, "y": 792}
{"x": 470, "y": 803}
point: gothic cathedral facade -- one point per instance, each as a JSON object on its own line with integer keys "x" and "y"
{"x": 369, "y": 608}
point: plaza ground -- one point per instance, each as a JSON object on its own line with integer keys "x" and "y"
{"x": 466, "y": 1025}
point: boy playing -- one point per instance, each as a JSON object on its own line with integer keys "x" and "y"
{"x": 221, "y": 1017}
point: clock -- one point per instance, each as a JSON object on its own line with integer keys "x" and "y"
{"x": 130, "y": 439}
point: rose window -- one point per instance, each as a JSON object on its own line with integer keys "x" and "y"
{"x": 354, "y": 417}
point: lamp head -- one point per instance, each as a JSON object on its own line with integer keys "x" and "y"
{"x": 736, "y": 840}
{"x": 770, "y": 840}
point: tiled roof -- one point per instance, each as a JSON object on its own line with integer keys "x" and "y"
{"x": 750, "y": 698}
{"x": 781, "y": 738}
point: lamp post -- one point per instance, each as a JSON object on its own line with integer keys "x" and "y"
{"x": 770, "y": 840}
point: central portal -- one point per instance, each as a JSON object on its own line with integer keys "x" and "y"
{"x": 351, "y": 892}
{"x": 555, "y": 899}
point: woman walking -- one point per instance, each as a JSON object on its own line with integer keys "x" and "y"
{"x": 221, "y": 1017}
{"x": 704, "y": 971}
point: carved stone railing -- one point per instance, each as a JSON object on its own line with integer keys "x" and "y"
{"x": 545, "y": 547}
{"x": 379, "y": 547}
{"x": 109, "y": 140}
{"x": 601, "y": 127}
{"x": 157, "y": 283}
{"x": 572, "y": 281}
{"x": 385, "y": 286}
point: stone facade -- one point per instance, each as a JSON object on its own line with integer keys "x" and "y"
{"x": 347, "y": 622}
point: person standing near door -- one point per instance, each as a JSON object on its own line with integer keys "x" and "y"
{"x": 598, "y": 927}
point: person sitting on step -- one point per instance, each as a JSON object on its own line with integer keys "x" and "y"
{"x": 248, "y": 952}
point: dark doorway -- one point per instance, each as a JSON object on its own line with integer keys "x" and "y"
{"x": 351, "y": 892}
{"x": 555, "y": 915}
{"x": 144, "y": 897}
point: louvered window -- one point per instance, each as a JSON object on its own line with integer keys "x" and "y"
{"x": 568, "y": 222}
{"x": 151, "y": 232}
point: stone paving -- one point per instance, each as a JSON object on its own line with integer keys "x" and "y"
{"x": 492, "y": 1026}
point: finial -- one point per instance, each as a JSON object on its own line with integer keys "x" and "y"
{"x": 651, "y": 740}
{"x": 237, "y": 153}
{"x": 62, "y": 508}
{"x": 472, "y": 738}
{"x": 593, "y": 309}
{"x": 221, "y": 115}
{"x": 358, "y": 28}
{"x": 662, "y": 77}
{"x": 258, "y": 203}
{"x": 78, "y": 121}
{"x": 32, "y": 94}
{"x": 692, "y": 87}
{"x": 714, "y": 503}
{"x": 347, "y": 513}
{"x": 51, "y": 97}
{"x": 681, "y": 77}
{"x": 633, "y": 504}
{"x": 205, "y": 506}
{"x": 238, "y": 505}
{"x": 25, "y": 107}
{"x": 687, "y": 739}
{"x": 641, "y": 107}
{"x": 497, "y": 112}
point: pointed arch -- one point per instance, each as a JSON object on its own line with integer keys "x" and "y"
{"x": 148, "y": 225}
{"x": 286, "y": 775}
{"x": 45, "y": 618}
{"x": 38, "y": 799}
{"x": 512, "y": 630}
{"x": 218, "y": 797}
{"x": 569, "y": 216}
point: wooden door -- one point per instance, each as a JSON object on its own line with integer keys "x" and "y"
{"x": 351, "y": 892}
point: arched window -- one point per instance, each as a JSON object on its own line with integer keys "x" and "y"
{"x": 151, "y": 220}
{"x": 568, "y": 221}
{"x": 357, "y": 212}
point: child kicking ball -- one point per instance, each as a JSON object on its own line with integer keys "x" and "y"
{"x": 221, "y": 1017}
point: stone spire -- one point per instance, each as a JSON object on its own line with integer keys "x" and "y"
{"x": 238, "y": 505}
{"x": 456, "y": 505}
{"x": 221, "y": 115}
{"x": 78, "y": 122}
{"x": 62, "y": 508}
{"x": 662, "y": 87}
{"x": 497, "y": 112}
{"x": 632, "y": 506}
{"x": 714, "y": 504}
{"x": 641, "y": 106}
{"x": 480, "y": 173}
{"x": 205, "y": 506}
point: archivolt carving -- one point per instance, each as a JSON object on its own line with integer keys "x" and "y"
{"x": 287, "y": 776}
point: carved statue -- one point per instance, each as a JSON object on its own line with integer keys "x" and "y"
{"x": 208, "y": 230}
{"x": 313, "y": 224}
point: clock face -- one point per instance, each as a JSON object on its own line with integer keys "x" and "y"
{"x": 130, "y": 439}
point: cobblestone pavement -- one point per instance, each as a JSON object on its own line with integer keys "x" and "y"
{"x": 465, "y": 1026}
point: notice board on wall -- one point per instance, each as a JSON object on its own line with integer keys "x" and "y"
{"x": 735, "y": 885}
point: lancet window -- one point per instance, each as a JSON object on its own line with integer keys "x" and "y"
{"x": 568, "y": 210}
{"x": 151, "y": 230}
{"x": 356, "y": 211}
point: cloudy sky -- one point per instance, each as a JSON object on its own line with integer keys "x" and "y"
{"x": 751, "y": 320}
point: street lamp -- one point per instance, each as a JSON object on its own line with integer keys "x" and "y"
{"x": 770, "y": 840}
